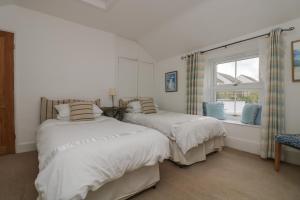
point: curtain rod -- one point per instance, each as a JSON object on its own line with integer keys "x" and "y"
{"x": 233, "y": 43}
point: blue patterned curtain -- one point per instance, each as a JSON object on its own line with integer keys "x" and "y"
{"x": 274, "y": 109}
{"x": 195, "y": 75}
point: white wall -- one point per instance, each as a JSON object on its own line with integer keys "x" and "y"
{"x": 58, "y": 59}
{"x": 172, "y": 101}
{"x": 176, "y": 101}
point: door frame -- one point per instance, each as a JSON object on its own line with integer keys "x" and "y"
{"x": 9, "y": 78}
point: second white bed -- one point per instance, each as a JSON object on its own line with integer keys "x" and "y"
{"x": 191, "y": 137}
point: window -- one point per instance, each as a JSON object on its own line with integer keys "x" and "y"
{"x": 237, "y": 82}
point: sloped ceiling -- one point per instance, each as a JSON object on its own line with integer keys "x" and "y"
{"x": 216, "y": 21}
{"x": 170, "y": 27}
{"x": 128, "y": 18}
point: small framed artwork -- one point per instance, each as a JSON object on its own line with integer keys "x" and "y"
{"x": 296, "y": 61}
{"x": 171, "y": 81}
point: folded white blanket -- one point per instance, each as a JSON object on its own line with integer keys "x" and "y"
{"x": 187, "y": 130}
{"x": 75, "y": 157}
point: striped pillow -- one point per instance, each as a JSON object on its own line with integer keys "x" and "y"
{"x": 148, "y": 106}
{"x": 81, "y": 111}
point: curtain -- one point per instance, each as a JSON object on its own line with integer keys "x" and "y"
{"x": 274, "y": 109}
{"x": 195, "y": 75}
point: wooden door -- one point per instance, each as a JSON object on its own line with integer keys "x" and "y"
{"x": 7, "y": 133}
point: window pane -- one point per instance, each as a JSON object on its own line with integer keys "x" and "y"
{"x": 228, "y": 98}
{"x": 226, "y": 73}
{"x": 234, "y": 101}
{"x": 248, "y": 70}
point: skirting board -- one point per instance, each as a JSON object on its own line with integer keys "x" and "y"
{"x": 243, "y": 145}
{"x": 25, "y": 147}
{"x": 289, "y": 155}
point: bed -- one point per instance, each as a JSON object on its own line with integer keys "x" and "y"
{"x": 191, "y": 137}
{"x": 99, "y": 159}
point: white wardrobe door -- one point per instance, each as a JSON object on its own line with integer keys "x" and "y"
{"x": 146, "y": 80}
{"x": 127, "y": 77}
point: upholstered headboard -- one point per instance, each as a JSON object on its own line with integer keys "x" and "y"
{"x": 125, "y": 101}
{"x": 48, "y": 110}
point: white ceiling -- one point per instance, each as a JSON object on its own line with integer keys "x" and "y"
{"x": 216, "y": 21}
{"x": 128, "y": 18}
{"x": 171, "y": 27}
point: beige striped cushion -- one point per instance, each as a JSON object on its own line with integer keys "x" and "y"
{"x": 48, "y": 110}
{"x": 81, "y": 111}
{"x": 148, "y": 106}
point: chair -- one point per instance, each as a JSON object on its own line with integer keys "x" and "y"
{"x": 291, "y": 140}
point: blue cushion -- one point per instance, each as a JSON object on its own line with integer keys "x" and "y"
{"x": 215, "y": 110}
{"x": 258, "y": 116}
{"x": 292, "y": 140}
{"x": 249, "y": 113}
{"x": 204, "y": 109}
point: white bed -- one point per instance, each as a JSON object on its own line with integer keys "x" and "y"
{"x": 191, "y": 137}
{"x": 100, "y": 159}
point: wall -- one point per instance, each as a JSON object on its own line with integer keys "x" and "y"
{"x": 172, "y": 101}
{"x": 58, "y": 59}
{"x": 176, "y": 101}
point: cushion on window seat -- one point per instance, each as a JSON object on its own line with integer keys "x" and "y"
{"x": 258, "y": 116}
{"x": 292, "y": 140}
{"x": 215, "y": 110}
{"x": 249, "y": 113}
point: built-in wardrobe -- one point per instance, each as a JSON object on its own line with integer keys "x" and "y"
{"x": 7, "y": 132}
{"x": 135, "y": 78}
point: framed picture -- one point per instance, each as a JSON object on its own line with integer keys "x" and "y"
{"x": 296, "y": 61}
{"x": 171, "y": 81}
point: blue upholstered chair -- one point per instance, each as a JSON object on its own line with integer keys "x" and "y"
{"x": 291, "y": 140}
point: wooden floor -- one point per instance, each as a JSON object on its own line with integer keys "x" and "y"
{"x": 230, "y": 174}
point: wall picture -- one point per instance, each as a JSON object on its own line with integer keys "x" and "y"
{"x": 171, "y": 81}
{"x": 296, "y": 61}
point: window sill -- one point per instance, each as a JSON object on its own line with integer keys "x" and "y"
{"x": 240, "y": 123}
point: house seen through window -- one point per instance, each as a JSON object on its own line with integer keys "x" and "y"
{"x": 236, "y": 83}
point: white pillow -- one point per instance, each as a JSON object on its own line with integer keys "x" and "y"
{"x": 134, "y": 107}
{"x": 64, "y": 111}
{"x": 156, "y": 107}
{"x": 131, "y": 110}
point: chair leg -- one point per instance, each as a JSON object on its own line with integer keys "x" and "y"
{"x": 277, "y": 156}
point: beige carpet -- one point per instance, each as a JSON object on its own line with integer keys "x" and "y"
{"x": 230, "y": 174}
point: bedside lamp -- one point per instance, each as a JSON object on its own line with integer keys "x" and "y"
{"x": 112, "y": 92}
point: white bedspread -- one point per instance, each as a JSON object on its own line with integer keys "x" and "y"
{"x": 187, "y": 130}
{"x": 75, "y": 157}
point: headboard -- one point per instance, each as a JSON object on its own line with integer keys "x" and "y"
{"x": 48, "y": 110}
{"x": 125, "y": 101}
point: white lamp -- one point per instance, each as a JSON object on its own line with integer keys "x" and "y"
{"x": 112, "y": 92}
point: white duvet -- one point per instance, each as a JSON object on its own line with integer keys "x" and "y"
{"x": 75, "y": 157}
{"x": 187, "y": 130}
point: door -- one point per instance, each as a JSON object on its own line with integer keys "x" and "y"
{"x": 127, "y": 77}
{"x": 146, "y": 83}
{"x": 7, "y": 133}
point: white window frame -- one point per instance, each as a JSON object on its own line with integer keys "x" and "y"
{"x": 239, "y": 87}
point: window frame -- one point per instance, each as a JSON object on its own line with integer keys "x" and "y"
{"x": 239, "y": 87}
